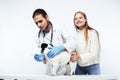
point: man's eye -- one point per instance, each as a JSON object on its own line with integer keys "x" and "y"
{"x": 40, "y": 21}
{"x": 35, "y": 22}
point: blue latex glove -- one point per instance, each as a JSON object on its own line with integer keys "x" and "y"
{"x": 55, "y": 51}
{"x": 39, "y": 57}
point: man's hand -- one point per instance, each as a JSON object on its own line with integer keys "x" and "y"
{"x": 55, "y": 51}
{"x": 39, "y": 57}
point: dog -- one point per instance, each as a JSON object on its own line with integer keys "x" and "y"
{"x": 61, "y": 60}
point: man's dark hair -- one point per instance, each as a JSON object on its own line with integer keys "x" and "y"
{"x": 39, "y": 12}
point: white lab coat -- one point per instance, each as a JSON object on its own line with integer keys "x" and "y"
{"x": 60, "y": 37}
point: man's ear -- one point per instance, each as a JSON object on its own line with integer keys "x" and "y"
{"x": 47, "y": 18}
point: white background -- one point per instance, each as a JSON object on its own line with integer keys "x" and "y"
{"x": 17, "y": 30}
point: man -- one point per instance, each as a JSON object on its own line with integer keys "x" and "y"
{"x": 59, "y": 40}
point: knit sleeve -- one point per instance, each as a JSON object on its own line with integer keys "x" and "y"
{"x": 93, "y": 49}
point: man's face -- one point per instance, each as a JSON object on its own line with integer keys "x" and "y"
{"x": 41, "y": 22}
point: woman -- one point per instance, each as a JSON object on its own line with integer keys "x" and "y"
{"x": 88, "y": 47}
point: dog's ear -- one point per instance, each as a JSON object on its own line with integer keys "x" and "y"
{"x": 43, "y": 46}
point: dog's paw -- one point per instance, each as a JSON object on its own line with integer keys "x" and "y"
{"x": 52, "y": 75}
{"x": 67, "y": 74}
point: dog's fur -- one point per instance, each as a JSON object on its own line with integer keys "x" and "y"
{"x": 62, "y": 59}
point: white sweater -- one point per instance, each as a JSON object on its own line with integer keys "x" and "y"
{"x": 88, "y": 54}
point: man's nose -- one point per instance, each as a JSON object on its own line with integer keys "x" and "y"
{"x": 39, "y": 24}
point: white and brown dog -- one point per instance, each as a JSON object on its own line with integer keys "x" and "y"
{"x": 61, "y": 60}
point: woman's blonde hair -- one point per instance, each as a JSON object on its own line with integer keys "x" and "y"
{"x": 86, "y": 27}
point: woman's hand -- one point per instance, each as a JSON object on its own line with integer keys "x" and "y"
{"x": 74, "y": 57}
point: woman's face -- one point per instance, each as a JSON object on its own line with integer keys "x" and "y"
{"x": 79, "y": 20}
